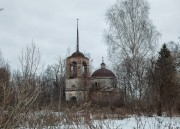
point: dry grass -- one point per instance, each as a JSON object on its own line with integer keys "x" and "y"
{"x": 87, "y": 117}
{"x": 72, "y": 117}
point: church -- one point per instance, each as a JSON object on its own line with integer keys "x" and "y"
{"x": 80, "y": 85}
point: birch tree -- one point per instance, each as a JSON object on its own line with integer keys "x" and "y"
{"x": 131, "y": 38}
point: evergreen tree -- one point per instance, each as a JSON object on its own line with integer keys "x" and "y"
{"x": 165, "y": 80}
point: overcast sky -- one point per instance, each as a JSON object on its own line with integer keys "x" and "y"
{"x": 51, "y": 24}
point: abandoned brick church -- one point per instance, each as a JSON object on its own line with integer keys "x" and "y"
{"x": 80, "y": 85}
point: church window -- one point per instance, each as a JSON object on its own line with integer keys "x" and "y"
{"x": 84, "y": 70}
{"x": 97, "y": 85}
{"x": 73, "y": 69}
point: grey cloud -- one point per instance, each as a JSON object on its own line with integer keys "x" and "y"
{"x": 52, "y": 26}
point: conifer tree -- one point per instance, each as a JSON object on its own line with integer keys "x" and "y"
{"x": 165, "y": 80}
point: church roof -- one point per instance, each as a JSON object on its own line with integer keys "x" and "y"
{"x": 103, "y": 72}
{"x": 77, "y": 54}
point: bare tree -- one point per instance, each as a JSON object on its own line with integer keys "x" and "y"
{"x": 4, "y": 78}
{"x": 174, "y": 47}
{"x": 26, "y": 79}
{"x": 47, "y": 86}
{"x": 131, "y": 39}
{"x": 54, "y": 83}
{"x": 59, "y": 74}
{"x": 30, "y": 61}
{"x": 23, "y": 88}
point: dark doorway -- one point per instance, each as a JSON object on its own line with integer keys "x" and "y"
{"x": 73, "y": 99}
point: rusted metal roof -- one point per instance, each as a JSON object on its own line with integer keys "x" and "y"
{"x": 77, "y": 54}
{"x": 103, "y": 72}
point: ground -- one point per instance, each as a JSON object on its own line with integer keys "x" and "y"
{"x": 83, "y": 120}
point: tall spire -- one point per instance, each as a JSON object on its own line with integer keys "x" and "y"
{"x": 77, "y": 37}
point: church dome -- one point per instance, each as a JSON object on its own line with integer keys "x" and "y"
{"x": 103, "y": 72}
{"x": 77, "y": 54}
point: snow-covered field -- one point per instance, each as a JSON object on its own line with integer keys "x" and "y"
{"x": 132, "y": 122}
{"x": 143, "y": 123}
{"x": 82, "y": 119}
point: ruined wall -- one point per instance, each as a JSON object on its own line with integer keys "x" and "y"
{"x": 106, "y": 97}
{"x": 74, "y": 84}
{"x": 79, "y": 95}
{"x": 76, "y": 88}
{"x": 103, "y": 82}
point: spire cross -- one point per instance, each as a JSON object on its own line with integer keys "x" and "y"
{"x": 77, "y": 37}
{"x": 102, "y": 59}
{"x": 102, "y": 64}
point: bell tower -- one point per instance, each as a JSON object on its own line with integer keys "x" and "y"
{"x": 77, "y": 75}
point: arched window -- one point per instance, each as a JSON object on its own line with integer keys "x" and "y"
{"x": 73, "y": 69}
{"x": 84, "y": 69}
{"x": 97, "y": 85}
